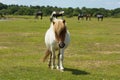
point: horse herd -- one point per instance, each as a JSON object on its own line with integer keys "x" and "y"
{"x": 56, "y": 14}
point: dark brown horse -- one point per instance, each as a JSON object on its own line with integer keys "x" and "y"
{"x": 2, "y": 16}
{"x": 39, "y": 13}
{"x": 80, "y": 17}
{"x": 56, "y": 14}
{"x": 88, "y": 17}
{"x": 100, "y": 17}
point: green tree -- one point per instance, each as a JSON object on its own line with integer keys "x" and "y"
{"x": 69, "y": 12}
{"x": 13, "y": 9}
{"x": 116, "y": 12}
{"x": 47, "y": 10}
{"x": 3, "y": 6}
{"x": 76, "y": 11}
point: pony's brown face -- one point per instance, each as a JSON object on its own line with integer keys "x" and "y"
{"x": 60, "y": 31}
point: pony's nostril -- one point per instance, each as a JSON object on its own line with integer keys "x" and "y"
{"x": 61, "y": 45}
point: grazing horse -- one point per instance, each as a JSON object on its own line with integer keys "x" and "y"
{"x": 100, "y": 16}
{"x": 2, "y": 16}
{"x": 57, "y": 37}
{"x": 88, "y": 17}
{"x": 80, "y": 16}
{"x": 56, "y": 14}
{"x": 39, "y": 13}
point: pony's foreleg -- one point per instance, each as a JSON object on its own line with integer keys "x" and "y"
{"x": 61, "y": 56}
{"x": 53, "y": 59}
{"x": 58, "y": 66}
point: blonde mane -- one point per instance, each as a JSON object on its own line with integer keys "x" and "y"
{"x": 59, "y": 29}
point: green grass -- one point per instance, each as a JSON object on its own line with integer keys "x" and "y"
{"x": 93, "y": 54}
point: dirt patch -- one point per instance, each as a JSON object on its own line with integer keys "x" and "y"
{"x": 3, "y": 47}
{"x": 108, "y": 52}
{"x": 3, "y": 20}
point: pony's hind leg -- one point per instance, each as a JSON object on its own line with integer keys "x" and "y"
{"x": 47, "y": 53}
{"x": 49, "y": 64}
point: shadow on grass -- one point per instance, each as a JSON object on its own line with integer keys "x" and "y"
{"x": 77, "y": 72}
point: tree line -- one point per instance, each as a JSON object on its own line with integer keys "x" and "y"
{"x": 47, "y": 10}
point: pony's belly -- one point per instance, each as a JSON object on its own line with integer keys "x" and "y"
{"x": 52, "y": 46}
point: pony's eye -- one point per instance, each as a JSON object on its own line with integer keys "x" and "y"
{"x": 63, "y": 21}
{"x": 53, "y": 22}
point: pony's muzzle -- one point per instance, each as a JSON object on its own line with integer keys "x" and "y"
{"x": 61, "y": 44}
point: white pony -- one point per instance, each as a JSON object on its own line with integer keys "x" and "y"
{"x": 57, "y": 37}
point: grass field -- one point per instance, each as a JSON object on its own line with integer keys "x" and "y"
{"x": 93, "y": 54}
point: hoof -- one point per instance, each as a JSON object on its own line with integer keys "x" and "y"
{"x": 57, "y": 67}
{"x": 52, "y": 67}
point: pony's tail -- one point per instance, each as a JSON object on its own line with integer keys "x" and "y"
{"x": 47, "y": 53}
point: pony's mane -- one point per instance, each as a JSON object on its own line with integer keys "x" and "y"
{"x": 59, "y": 29}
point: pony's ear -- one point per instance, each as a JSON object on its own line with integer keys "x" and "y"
{"x": 64, "y": 21}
